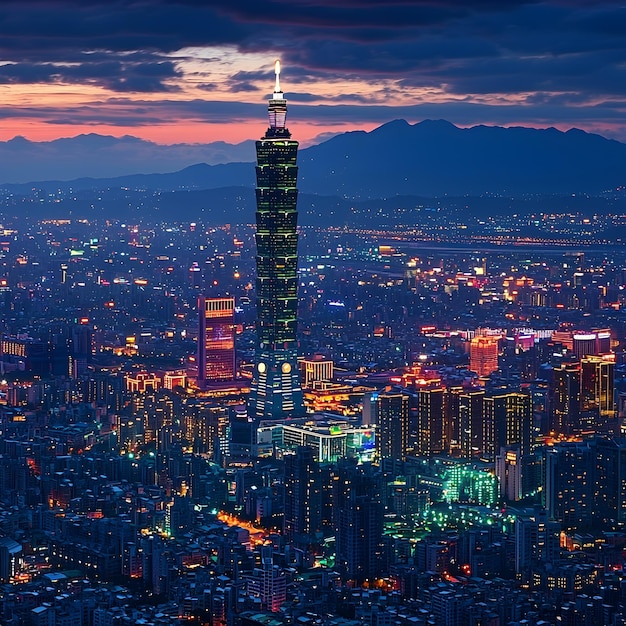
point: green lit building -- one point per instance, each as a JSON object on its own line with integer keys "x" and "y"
{"x": 276, "y": 391}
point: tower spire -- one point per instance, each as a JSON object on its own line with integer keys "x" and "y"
{"x": 277, "y": 72}
{"x": 277, "y": 109}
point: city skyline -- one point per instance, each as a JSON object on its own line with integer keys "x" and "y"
{"x": 319, "y": 398}
{"x": 182, "y": 72}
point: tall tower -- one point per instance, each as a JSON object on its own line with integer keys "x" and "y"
{"x": 276, "y": 392}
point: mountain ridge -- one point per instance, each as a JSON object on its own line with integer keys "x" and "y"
{"x": 429, "y": 158}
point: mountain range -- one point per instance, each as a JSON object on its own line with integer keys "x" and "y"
{"x": 103, "y": 156}
{"x": 428, "y": 159}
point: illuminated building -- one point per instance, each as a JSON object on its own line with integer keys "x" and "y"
{"x": 359, "y": 522}
{"x": 10, "y": 559}
{"x": 470, "y": 422}
{"x": 597, "y": 389}
{"x": 507, "y": 420}
{"x": 316, "y": 369}
{"x": 585, "y": 483}
{"x": 610, "y": 480}
{"x": 392, "y": 420}
{"x": 276, "y": 392}
{"x": 484, "y": 355}
{"x": 336, "y": 398}
{"x": 465, "y": 481}
{"x": 268, "y": 583}
{"x": 329, "y": 441}
{"x": 141, "y": 382}
{"x": 565, "y": 399}
{"x": 569, "y": 485}
{"x": 536, "y": 540}
{"x": 216, "y": 339}
{"x": 206, "y": 427}
{"x": 430, "y": 418}
{"x": 303, "y": 497}
{"x": 509, "y": 473}
{"x": 28, "y": 354}
{"x": 171, "y": 380}
{"x": 584, "y": 344}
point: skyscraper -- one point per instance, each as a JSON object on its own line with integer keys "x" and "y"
{"x": 276, "y": 392}
{"x": 216, "y": 339}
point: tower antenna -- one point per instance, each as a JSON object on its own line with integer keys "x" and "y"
{"x": 277, "y": 72}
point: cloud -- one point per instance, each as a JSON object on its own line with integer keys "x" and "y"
{"x": 518, "y": 60}
{"x": 139, "y": 73}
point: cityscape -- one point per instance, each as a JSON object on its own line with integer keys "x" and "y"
{"x": 305, "y": 385}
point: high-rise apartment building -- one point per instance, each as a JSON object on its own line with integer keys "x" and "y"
{"x": 216, "y": 339}
{"x": 276, "y": 391}
{"x": 565, "y": 399}
{"x": 303, "y": 497}
{"x": 359, "y": 522}
{"x": 569, "y": 488}
{"x": 507, "y": 420}
{"x": 431, "y": 435}
{"x": 597, "y": 390}
{"x": 268, "y": 583}
{"x": 470, "y": 422}
{"x": 392, "y": 419}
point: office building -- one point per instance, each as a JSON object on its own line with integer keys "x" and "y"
{"x": 216, "y": 339}
{"x": 276, "y": 391}
{"x": 484, "y": 355}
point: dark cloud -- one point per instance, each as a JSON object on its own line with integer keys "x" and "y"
{"x": 119, "y": 74}
{"x": 557, "y": 57}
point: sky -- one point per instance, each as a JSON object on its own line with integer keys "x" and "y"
{"x": 197, "y": 71}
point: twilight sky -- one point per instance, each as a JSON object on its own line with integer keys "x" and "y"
{"x": 200, "y": 70}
